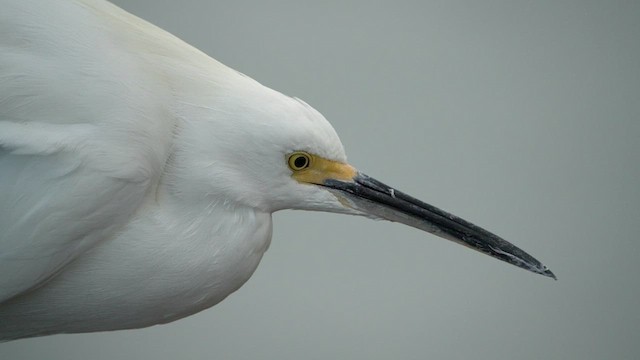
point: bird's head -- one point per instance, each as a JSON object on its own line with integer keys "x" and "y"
{"x": 271, "y": 152}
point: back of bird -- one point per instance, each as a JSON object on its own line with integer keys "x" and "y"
{"x": 85, "y": 129}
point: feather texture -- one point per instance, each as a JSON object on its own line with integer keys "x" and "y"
{"x": 137, "y": 174}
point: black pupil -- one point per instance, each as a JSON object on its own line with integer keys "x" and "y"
{"x": 300, "y": 162}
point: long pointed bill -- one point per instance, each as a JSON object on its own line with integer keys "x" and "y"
{"x": 370, "y": 196}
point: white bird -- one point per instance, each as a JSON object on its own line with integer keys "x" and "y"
{"x": 138, "y": 175}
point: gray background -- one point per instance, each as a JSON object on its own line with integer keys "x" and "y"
{"x": 521, "y": 116}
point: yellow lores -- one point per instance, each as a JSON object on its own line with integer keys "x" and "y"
{"x": 312, "y": 169}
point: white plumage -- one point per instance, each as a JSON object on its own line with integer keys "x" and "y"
{"x": 138, "y": 175}
{"x": 93, "y": 103}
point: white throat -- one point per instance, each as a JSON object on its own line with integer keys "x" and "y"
{"x": 167, "y": 264}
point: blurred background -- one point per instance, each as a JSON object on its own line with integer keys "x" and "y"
{"x": 520, "y": 116}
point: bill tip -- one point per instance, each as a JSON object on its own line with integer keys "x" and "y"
{"x": 548, "y": 273}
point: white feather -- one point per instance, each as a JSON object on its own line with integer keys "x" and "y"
{"x": 137, "y": 175}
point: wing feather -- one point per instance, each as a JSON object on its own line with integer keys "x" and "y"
{"x": 84, "y": 135}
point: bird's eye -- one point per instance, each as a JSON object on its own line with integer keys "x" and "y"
{"x": 299, "y": 161}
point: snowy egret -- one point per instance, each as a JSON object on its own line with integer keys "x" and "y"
{"x": 138, "y": 175}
